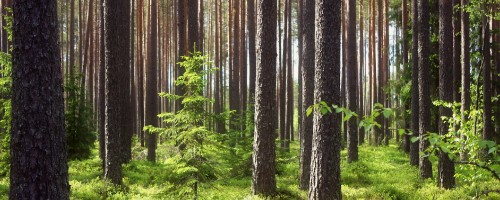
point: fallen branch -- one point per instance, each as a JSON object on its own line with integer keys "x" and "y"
{"x": 495, "y": 174}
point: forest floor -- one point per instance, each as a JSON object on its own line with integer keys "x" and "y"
{"x": 381, "y": 173}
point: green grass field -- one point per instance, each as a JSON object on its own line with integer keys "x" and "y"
{"x": 381, "y": 173}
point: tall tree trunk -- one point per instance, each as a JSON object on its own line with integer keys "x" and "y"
{"x": 140, "y": 71}
{"x": 234, "y": 100}
{"x": 404, "y": 13}
{"x": 414, "y": 146}
{"x": 243, "y": 68}
{"x": 282, "y": 79}
{"x": 361, "y": 72}
{"x": 39, "y": 165}
{"x": 425, "y": 166}
{"x": 307, "y": 93}
{"x": 487, "y": 91}
{"x": 151, "y": 105}
{"x": 446, "y": 168}
{"x": 300, "y": 15}
{"x": 264, "y": 169}
{"x": 102, "y": 92}
{"x": 116, "y": 33}
{"x": 351, "y": 72}
{"x": 325, "y": 163}
{"x": 456, "y": 50}
{"x": 465, "y": 98}
{"x": 379, "y": 132}
{"x": 289, "y": 82}
{"x": 182, "y": 46}
{"x": 251, "y": 47}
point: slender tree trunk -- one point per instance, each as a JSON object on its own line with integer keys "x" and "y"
{"x": 414, "y": 146}
{"x": 325, "y": 163}
{"x": 234, "y": 100}
{"x": 404, "y": 13}
{"x": 289, "y": 82}
{"x": 361, "y": 74}
{"x": 264, "y": 169}
{"x": 351, "y": 72}
{"x": 102, "y": 92}
{"x": 465, "y": 67}
{"x": 446, "y": 168}
{"x": 307, "y": 94}
{"x": 39, "y": 165}
{"x": 151, "y": 105}
{"x": 456, "y": 50}
{"x": 300, "y": 10}
{"x": 425, "y": 166}
{"x": 251, "y": 47}
{"x": 140, "y": 71}
{"x": 487, "y": 91}
{"x": 243, "y": 68}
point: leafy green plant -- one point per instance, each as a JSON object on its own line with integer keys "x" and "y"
{"x": 80, "y": 130}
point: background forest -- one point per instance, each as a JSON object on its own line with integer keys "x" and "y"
{"x": 250, "y": 99}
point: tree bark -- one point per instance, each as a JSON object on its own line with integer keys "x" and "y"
{"x": 264, "y": 169}
{"x": 325, "y": 162}
{"x": 39, "y": 165}
{"x": 446, "y": 168}
{"x": 251, "y": 47}
{"x": 307, "y": 94}
{"x": 487, "y": 91}
{"x": 151, "y": 105}
{"x": 116, "y": 26}
{"x": 425, "y": 166}
{"x": 414, "y": 146}
{"x": 465, "y": 66}
{"x": 456, "y": 50}
{"x": 234, "y": 92}
{"x": 352, "y": 89}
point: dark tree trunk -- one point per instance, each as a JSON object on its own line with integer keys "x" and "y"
{"x": 264, "y": 169}
{"x": 404, "y": 27}
{"x": 234, "y": 92}
{"x": 487, "y": 91}
{"x": 379, "y": 132}
{"x": 282, "y": 80}
{"x": 102, "y": 93}
{"x": 424, "y": 82}
{"x": 192, "y": 22}
{"x": 446, "y": 168}
{"x": 361, "y": 72}
{"x": 325, "y": 162}
{"x": 307, "y": 94}
{"x": 289, "y": 71}
{"x": 218, "y": 63}
{"x": 243, "y": 68}
{"x": 456, "y": 50}
{"x": 182, "y": 47}
{"x": 414, "y": 146}
{"x": 251, "y": 47}
{"x": 39, "y": 165}
{"x": 465, "y": 98}
{"x": 116, "y": 33}
{"x": 140, "y": 71}
{"x": 126, "y": 140}
{"x": 151, "y": 105}
{"x": 352, "y": 89}
{"x": 300, "y": 15}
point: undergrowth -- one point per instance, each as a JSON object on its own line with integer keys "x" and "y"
{"x": 381, "y": 173}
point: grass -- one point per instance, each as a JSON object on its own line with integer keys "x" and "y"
{"x": 381, "y": 173}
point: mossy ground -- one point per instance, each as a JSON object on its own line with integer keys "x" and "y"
{"x": 381, "y": 173}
